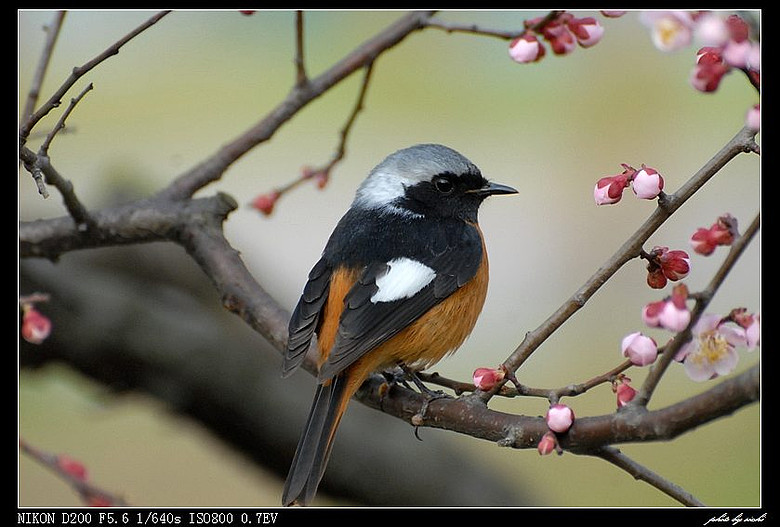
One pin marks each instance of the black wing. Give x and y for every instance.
(306, 316)
(365, 324)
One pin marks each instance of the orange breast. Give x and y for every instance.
(423, 343)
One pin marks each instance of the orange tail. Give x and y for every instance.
(311, 456)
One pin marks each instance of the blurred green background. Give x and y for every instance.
(551, 129)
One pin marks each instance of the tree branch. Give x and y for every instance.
(617, 458)
(740, 143)
(80, 71)
(212, 168)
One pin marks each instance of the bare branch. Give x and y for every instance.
(77, 73)
(325, 170)
(212, 168)
(52, 32)
(300, 67)
(617, 458)
(742, 142)
(44, 149)
(89, 493)
(474, 29)
(703, 299)
(40, 167)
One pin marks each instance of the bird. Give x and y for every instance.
(401, 282)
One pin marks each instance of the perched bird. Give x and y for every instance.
(401, 281)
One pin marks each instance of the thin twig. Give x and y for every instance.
(44, 149)
(702, 301)
(52, 32)
(212, 168)
(325, 170)
(300, 67)
(89, 493)
(640, 472)
(77, 73)
(474, 29)
(40, 166)
(742, 142)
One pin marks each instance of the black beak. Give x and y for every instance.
(491, 189)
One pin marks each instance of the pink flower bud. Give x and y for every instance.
(703, 242)
(487, 378)
(625, 394)
(753, 333)
(72, 467)
(711, 30)
(738, 28)
(675, 264)
(753, 118)
(559, 418)
(647, 183)
(651, 312)
(751, 323)
(736, 53)
(709, 55)
(609, 189)
(265, 202)
(722, 232)
(526, 48)
(639, 349)
(561, 40)
(587, 31)
(754, 57)
(613, 14)
(547, 444)
(706, 76)
(35, 327)
(656, 278)
(675, 315)
(670, 30)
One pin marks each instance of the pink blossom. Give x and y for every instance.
(265, 202)
(587, 31)
(711, 351)
(736, 53)
(609, 189)
(526, 48)
(647, 183)
(487, 378)
(738, 28)
(35, 326)
(675, 264)
(722, 232)
(711, 30)
(751, 324)
(754, 57)
(706, 76)
(674, 317)
(625, 393)
(651, 313)
(561, 40)
(753, 118)
(559, 418)
(72, 467)
(669, 30)
(640, 349)
(547, 444)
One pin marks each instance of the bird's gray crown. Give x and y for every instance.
(388, 181)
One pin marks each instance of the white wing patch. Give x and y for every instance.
(404, 279)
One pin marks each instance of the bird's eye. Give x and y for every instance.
(443, 185)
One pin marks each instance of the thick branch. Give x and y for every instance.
(468, 415)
